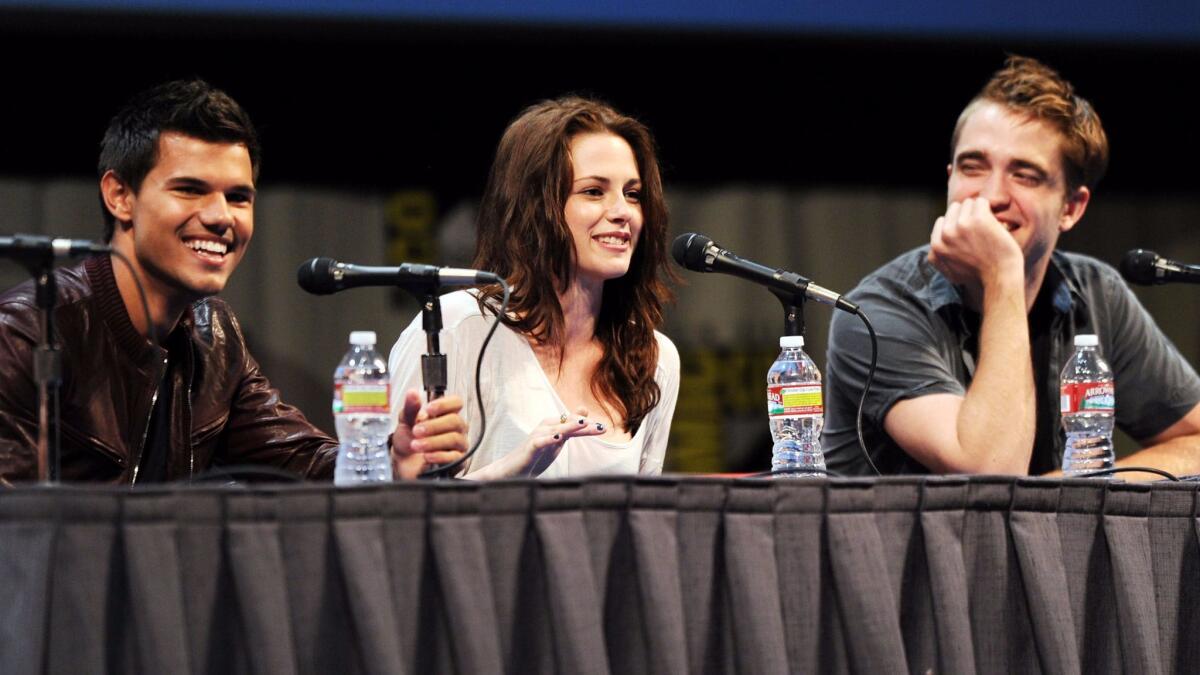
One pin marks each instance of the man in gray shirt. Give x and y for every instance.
(974, 327)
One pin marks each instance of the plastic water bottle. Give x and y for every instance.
(796, 410)
(362, 415)
(1088, 406)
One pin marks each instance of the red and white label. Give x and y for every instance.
(794, 400)
(1088, 397)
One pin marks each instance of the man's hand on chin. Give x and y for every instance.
(971, 247)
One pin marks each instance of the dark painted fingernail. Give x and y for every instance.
(557, 436)
(600, 426)
(581, 420)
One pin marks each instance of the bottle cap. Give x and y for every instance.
(1086, 340)
(791, 341)
(362, 337)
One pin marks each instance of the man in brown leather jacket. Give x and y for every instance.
(167, 396)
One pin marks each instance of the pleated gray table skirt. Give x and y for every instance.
(950, 575)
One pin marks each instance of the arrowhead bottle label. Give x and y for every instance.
(1087, 397)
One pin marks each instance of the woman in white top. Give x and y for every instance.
(576, 379)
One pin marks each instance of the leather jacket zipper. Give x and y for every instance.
(187, 407)
(146, 431)
(191, 446)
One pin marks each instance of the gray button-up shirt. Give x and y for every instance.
(923, 349)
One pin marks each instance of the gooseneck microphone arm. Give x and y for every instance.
(322, 276)
(698, 253)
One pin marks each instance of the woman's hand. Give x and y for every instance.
(542, 447)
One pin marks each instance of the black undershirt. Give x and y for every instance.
(157, 448)
(1041, 320)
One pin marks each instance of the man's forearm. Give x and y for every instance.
(1179, 456)
(997, 419)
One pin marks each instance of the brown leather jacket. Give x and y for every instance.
(223, 410)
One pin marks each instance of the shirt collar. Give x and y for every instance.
(1067, 295)
(939, 292)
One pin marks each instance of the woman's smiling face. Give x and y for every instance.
(603, 209)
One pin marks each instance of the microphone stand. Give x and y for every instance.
(47, 372)
(793, 311)
(433, 361)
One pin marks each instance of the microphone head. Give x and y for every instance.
(316, 276)
(688, 250)
(1138, 267)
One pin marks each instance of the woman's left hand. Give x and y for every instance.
(541, 448)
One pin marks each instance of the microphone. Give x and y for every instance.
(698, 253)
(322, 276)
(1140, 266)
(34, 248)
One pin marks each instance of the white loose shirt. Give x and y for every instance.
(517, 395)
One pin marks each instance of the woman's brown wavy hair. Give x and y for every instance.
(523, 237)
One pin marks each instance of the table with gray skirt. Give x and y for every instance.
(605, 575)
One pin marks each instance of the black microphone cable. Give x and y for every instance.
(446, 470)
(153, 332)
(858, 420)
(1126, 469)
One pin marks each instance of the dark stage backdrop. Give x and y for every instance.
(388, 103)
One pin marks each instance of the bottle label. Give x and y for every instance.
(1087, 397)
(794, 400)
(360, 398)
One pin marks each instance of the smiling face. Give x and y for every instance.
(603, 210)
(1015, 162)
(186, 229)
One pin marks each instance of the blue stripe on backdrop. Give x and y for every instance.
(1154, 21)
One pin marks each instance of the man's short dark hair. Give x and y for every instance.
(190, 107)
